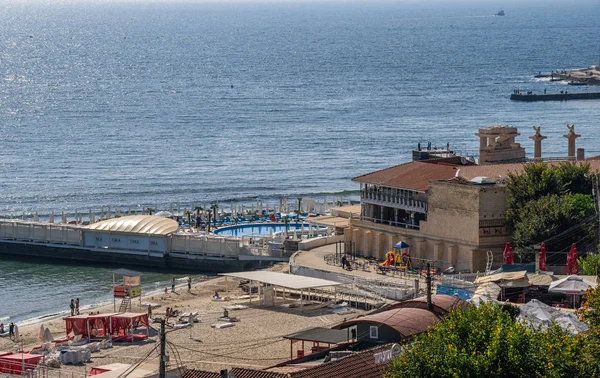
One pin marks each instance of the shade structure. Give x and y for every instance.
(122, 325)
(289, 281)
(571, 285)
(543, 257)
(88, 326)
(489, 289)
(401, 245)
(539, 311)
(18, 363)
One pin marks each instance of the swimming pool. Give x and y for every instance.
(260, 228)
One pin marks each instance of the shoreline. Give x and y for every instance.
(259, 331)
(91, 307)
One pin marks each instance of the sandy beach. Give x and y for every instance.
(255, 341)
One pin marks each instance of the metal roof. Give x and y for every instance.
(289, 281)
(138, 224)
(406, 321)
(321, 335)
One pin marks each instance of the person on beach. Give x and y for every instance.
(149, 312)
(11, 330)
(173, 285)
(1, 327)
(77, 306)
(189, 282)
(72, 306)
(217, 295)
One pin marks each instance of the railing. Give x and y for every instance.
(390, 223)
(46, 233)
(392, 200)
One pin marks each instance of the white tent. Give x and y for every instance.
(163, 213)
(539, 310)
(571, 285)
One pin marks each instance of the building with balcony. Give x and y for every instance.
(450, 211)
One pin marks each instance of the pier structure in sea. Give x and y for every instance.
(582, 76)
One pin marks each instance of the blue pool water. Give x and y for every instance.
(262, 229)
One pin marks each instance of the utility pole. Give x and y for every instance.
(163, 357)
(429, 304)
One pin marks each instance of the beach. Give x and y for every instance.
(255, 341)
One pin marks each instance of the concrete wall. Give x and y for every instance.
(319, 242)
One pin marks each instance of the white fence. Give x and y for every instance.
(46, 233)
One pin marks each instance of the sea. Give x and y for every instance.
(133, 104)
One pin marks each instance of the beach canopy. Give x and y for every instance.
(571, 285)
(539, 311)
(401, 245)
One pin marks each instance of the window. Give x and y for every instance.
(374, 332)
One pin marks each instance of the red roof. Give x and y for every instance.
(236, 372)
(413, 176)
(190, 373)
(406, 321)
(357, 365)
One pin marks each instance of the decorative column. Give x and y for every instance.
(571, 136)
(537, 143)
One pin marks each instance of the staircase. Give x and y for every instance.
(125, 305)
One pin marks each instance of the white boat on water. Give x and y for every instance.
(500, 13)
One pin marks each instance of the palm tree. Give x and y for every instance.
(189, 215)
(149, 210)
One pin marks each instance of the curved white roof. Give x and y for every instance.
(139, 224)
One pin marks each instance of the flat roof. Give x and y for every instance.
(289, 281)
(320, 335)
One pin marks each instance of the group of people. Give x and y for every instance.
(74, 306)
(189, 285)
(11, 329)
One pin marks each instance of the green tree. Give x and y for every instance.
(487, 342)
(590, 264)
(553, 214)
(545, 200)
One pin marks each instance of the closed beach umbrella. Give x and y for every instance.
(51, 220)
(17, 335)
(41, 334)
(543, 258)
(36, 217)
(508, 255)
(64, 218)
(572, 265)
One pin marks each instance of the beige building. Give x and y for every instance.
(449, 211)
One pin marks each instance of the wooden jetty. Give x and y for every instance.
(530, 97)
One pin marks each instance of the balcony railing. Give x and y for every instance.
(390, 223)
(395, 201)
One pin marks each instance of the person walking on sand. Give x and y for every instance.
(72, 306)
(77, 306)
(173, 285)
(11, 330)
(189, 284)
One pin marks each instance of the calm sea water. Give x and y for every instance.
(150, 103)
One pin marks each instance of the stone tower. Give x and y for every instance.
(497, 145)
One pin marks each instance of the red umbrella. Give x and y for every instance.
(507, 255)
(511, 257)
(572, 266)
(543, 258)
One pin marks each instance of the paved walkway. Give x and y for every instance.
(315, 258)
